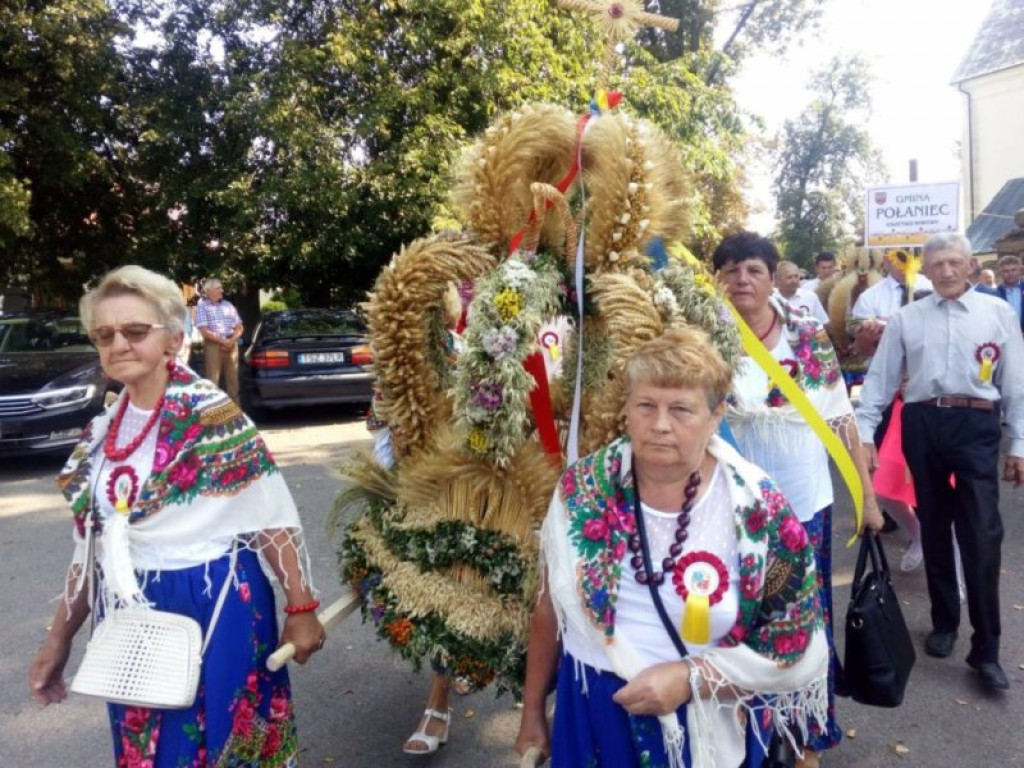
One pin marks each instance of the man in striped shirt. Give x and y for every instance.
(221, 327)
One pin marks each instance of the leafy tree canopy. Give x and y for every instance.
(297, 145)
(61, 191)
(825, 160)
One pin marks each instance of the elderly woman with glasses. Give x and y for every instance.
(179, 497)
(682, 587)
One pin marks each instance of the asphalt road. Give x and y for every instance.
(357, 701)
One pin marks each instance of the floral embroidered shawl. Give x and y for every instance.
(776, 651)
(815, 368)
(213, 478)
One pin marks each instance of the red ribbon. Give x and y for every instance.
(540, 395)
(561, 186)
(540, 399)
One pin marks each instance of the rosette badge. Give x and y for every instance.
(701, 579)
(987, 356)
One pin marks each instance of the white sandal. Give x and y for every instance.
(433, 742)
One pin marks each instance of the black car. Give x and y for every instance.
(51, 382)
(307, 357)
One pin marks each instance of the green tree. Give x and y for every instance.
(754, 25)
(363, 115)
(62, 191)
(299, 145)
(825, 160)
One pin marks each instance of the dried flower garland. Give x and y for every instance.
(402, 316)
(687, 294)
(495, 555)
(424, 616)
(492, 388)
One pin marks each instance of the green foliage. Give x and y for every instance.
(761, 25)
(365, 113)
(300, 145)
(825, 160)
(61, 187)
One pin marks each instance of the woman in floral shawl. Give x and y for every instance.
(774, 435)
(179, 495)
(672, 510)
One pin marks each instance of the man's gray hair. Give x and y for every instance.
(211, 282)
(1010, 260)
(938, 243)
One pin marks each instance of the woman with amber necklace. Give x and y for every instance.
(178, 491)
(771, 433)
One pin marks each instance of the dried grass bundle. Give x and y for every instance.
(369, 481)
(492, 195)
(627, 311)
(399, 313)
(636, 190)
(466, 608)
(451, 484)
(630, 319)
(671, 195)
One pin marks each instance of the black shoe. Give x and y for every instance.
(992, 675)
(939, 644)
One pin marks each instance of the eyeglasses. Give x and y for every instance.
(133, 333)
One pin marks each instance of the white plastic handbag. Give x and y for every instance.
(143, 657)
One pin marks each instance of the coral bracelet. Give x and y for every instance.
(304, 608)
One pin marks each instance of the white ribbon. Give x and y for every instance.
(573, 444)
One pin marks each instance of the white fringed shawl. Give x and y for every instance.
(776, 653)
(213, 479)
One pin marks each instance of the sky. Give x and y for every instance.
(913, 47)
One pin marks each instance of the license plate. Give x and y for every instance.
(318, 358)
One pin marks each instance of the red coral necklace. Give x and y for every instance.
(110, 449)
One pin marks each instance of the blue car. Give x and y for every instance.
(307, 357)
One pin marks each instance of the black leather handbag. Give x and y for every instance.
(879, 651)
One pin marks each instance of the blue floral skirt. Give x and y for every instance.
(592, 731)
(242, 715)
(819, 530)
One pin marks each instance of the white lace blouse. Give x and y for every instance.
(711, 529)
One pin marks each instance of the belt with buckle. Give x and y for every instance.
(961, 401)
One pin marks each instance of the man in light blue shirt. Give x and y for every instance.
(962, 354)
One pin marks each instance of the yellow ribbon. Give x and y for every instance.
(753, 347)
(911, 266)
(696, 627)
(760, 355)
(986, 369)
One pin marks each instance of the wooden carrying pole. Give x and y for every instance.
(329, 618)
(532, 758)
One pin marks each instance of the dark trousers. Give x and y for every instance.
(938, 442)
(883, 426)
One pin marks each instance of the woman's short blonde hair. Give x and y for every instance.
(682, 358)
(162, 294)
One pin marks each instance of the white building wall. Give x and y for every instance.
(997, 115)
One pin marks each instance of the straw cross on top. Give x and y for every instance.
(619, 20)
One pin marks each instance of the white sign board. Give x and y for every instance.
(908, 214)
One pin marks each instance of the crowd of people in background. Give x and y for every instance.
(945, 383)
